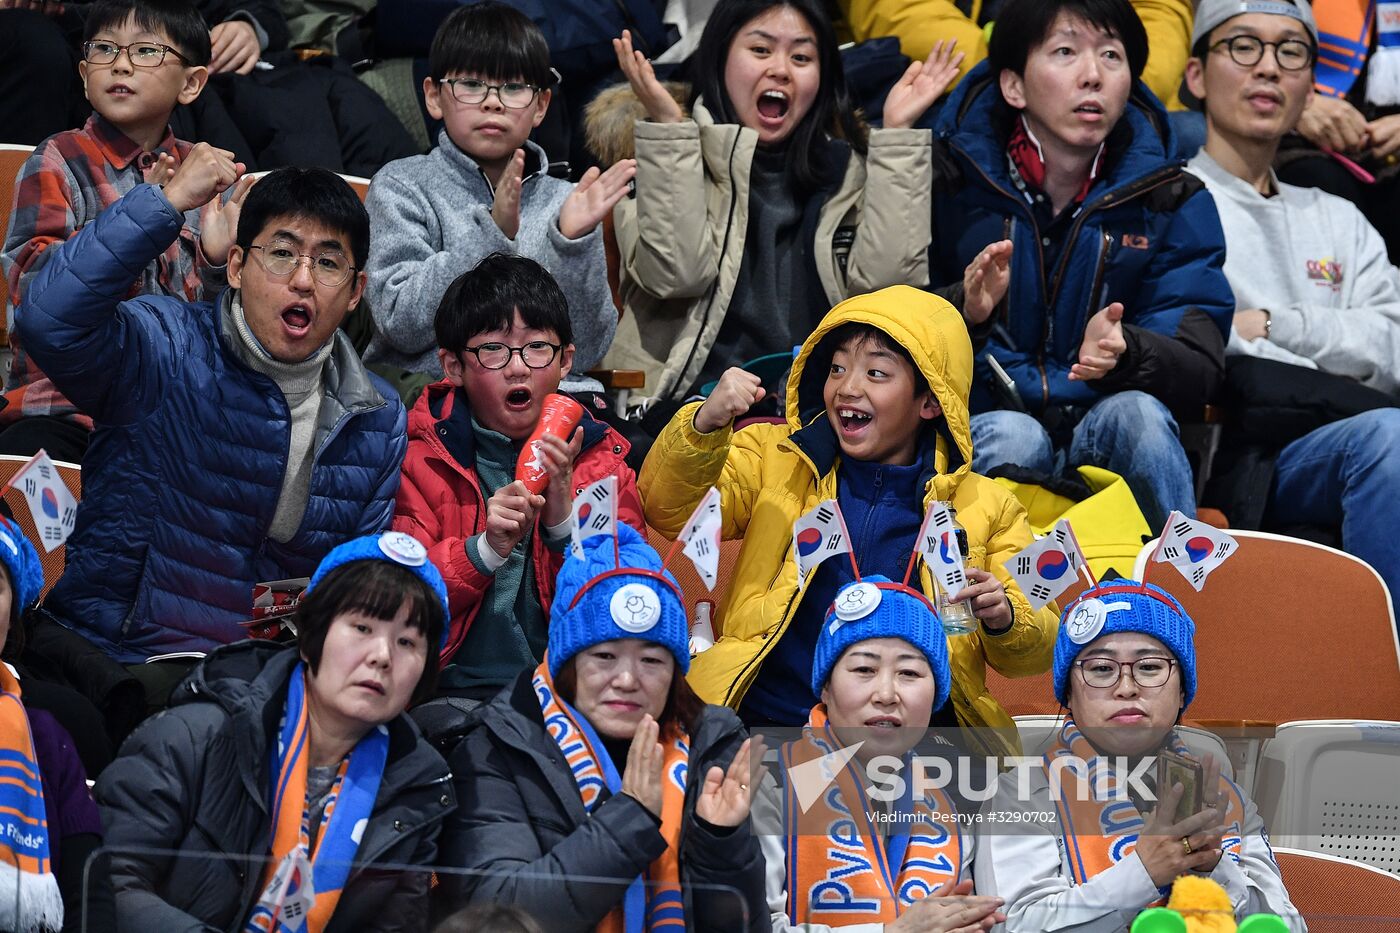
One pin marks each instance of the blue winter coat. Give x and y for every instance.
(1148, 235)
(189, 447)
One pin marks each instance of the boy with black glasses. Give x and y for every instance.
(506, 343)
(486, 188)
(140, 59)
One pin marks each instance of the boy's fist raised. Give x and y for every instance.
(204, 173)
(738, 390)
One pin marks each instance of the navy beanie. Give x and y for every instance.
(1126, 606)
(616, 604)
(876, 607)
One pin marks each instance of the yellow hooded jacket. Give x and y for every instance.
(769, 475)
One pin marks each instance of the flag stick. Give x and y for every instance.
(909, 570)
(1088, 572)
(1161, 540)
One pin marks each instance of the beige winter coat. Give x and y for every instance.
(682, 237)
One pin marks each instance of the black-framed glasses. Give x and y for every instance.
(1106, 672)
(513, 95)
(537, 354)
(329, 267)
(1246, 51)
(140, 54)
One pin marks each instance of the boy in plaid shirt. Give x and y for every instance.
(140, 59)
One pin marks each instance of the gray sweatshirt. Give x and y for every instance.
(1320, 269)
(430, 218)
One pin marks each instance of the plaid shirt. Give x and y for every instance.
(71, 178)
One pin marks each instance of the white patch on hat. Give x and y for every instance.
(857, 602)
(1088, 618)
(635, 608)
(10, 543)
(403, 549)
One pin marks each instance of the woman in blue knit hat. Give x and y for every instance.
(1094, 841)
(598, 793)
(856, 856)
(284, 781)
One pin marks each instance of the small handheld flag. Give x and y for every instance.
(50, 503)
(594, 513)
(1193, 548)
(700, 538)
(938, 543)
(820, 534)
(1046, 568)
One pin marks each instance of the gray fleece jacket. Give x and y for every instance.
(430, 218)
(1320, 269)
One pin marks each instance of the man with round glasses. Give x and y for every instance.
(235, 442)
(1312, 282)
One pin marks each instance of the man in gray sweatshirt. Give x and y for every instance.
(1313, 285)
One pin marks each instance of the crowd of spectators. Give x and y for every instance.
(1077, 227)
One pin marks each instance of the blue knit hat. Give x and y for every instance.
(393, 547)
(22, 563)
(606, 596)
(1126, 606)
(876, 607)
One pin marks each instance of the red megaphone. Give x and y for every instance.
(558, 416)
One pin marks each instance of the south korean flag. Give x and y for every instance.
(1194, 548)
(1045, 569)
(819, 534)
(594, 513)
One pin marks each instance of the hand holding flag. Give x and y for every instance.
(1193, 548)
(819, 534)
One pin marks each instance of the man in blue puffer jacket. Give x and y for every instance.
(233, 442)
(1116, 308)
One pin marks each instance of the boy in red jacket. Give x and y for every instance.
(505, 342)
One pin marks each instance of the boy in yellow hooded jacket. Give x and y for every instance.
(877, 419)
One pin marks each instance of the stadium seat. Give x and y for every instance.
(1340, 896)
(1031, 696)
(1333, 786)
(72, 476)
(11, 160)
(692, 587)
(1320, 621)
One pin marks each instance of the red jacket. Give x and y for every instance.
(441, 503)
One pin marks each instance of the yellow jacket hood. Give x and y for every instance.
(930, 329)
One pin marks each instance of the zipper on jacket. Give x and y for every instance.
(1095, 298)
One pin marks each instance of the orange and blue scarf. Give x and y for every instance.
(1343, 38)
(1102, 829)
(29, 895)
(654, 900)
(303, 883)
(839, 870)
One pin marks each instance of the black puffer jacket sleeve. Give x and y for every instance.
(145, 799)
(492, 835)
(1184, 371)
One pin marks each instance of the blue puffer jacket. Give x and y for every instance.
(190, 446)
(1148, 235)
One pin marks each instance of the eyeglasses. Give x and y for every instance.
(140, 54)
(1106, 672)
(513, 95)
(330, 267)
(537, 354)
(1291, 54)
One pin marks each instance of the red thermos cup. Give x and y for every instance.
(559, 416)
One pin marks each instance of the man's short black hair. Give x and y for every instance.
(378, 589)
(309, 193)
(1022, 25)
(492, 40)
(855, 333)
(487, 297)
(178, 20)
